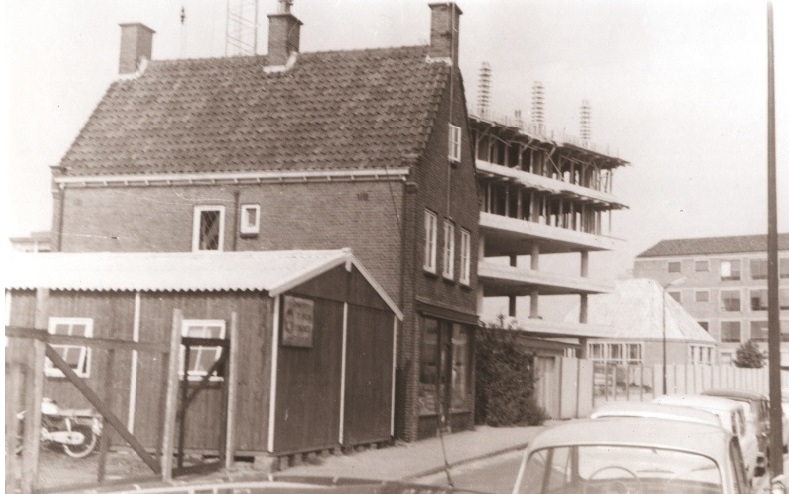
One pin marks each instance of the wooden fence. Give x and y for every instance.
(571, 388)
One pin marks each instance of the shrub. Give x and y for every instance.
(505, 380)
(749, 356)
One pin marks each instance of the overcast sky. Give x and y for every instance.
(677, 88)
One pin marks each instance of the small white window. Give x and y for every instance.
(76, 356)
(454, 143)
(449, 250)
(250, 219)
(430, 241)
(201, 359)
(465, 257)
(208, 228)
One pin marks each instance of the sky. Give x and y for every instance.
(677, 88)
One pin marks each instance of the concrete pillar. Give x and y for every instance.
(535, 256)
(584, 314)
(512, 307)
(534, 304)
(584, 350)
(584, 264)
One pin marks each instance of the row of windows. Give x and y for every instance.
(731, 331)
(448, 253)
(77, 357)
(616, 353)
(731, 299)
(730, 268)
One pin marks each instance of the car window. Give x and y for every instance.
(737, 467)
(535, 472)
(561, 473)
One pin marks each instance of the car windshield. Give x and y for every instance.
(602, 468)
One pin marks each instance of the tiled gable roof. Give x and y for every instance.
(713, 245)
(331, 110)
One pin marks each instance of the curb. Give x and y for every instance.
(466, 461)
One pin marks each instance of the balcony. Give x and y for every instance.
(550, 185)
(501, 280)
(506, 236)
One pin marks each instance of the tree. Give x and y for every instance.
(749, 356)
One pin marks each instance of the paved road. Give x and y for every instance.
(497, 475)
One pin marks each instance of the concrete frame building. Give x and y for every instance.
(723, 285)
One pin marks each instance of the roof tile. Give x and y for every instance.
(713, 245)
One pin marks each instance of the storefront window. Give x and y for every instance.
(428, 401)
(460, 367)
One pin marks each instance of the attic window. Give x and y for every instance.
(250, 219)
(208, 228)
(454, 143)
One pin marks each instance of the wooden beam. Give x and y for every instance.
(34, 386)
(171, 399)
(232, 392)
(102, 343)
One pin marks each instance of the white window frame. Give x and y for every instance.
(83, 368)
(198, 210)
(449, 250)
(431, 227)
(197, 352)
(246, 227)
(455, 138)
(465, 257)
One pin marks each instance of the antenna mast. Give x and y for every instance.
(241, 36)
(483, 96)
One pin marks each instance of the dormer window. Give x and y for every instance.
(250, 219)
(454, 143)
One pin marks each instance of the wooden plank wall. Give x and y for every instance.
(368, 387)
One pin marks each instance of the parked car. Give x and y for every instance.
(732, 417)
(633, 456)
(757, 413)
(639, 409)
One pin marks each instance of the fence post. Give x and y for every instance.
(171, 401)
(34, 386)
(107, 394)
(13, 389)
(232, 392)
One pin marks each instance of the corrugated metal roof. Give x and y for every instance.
(713, 245)
(635, 312)
(273, 271)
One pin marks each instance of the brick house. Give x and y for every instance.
(367, 149)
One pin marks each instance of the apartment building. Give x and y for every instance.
(541, 196)
(722, 283)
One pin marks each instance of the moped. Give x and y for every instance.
(75, 431)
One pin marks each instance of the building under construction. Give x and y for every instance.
(540, 195)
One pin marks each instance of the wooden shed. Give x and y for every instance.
(316, 351)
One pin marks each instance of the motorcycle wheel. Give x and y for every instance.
(86, 447)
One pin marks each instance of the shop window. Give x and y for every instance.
(465, 257)
(201, 359)
(461, 367)
(674, 267)
(430, 241)
(428, 376)
(730, 300)
(208, 228)
(758, 269)
(730, 331)
(449, 250)
(730, 270)
(702, 266)
(703, 296)
(250, 219)
(759, 330)
(76, 356)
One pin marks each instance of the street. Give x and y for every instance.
(496, 475)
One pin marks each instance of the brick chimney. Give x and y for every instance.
(283, 35)
(136, 44)
(444, 31)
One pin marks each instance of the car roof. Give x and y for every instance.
(735, 393)
(699, 401)
(637, 409)
(708, 440)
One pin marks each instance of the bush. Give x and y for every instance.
(505, 380)
(749, 356)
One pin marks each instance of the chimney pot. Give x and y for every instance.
(136, 44)
(444, 31)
